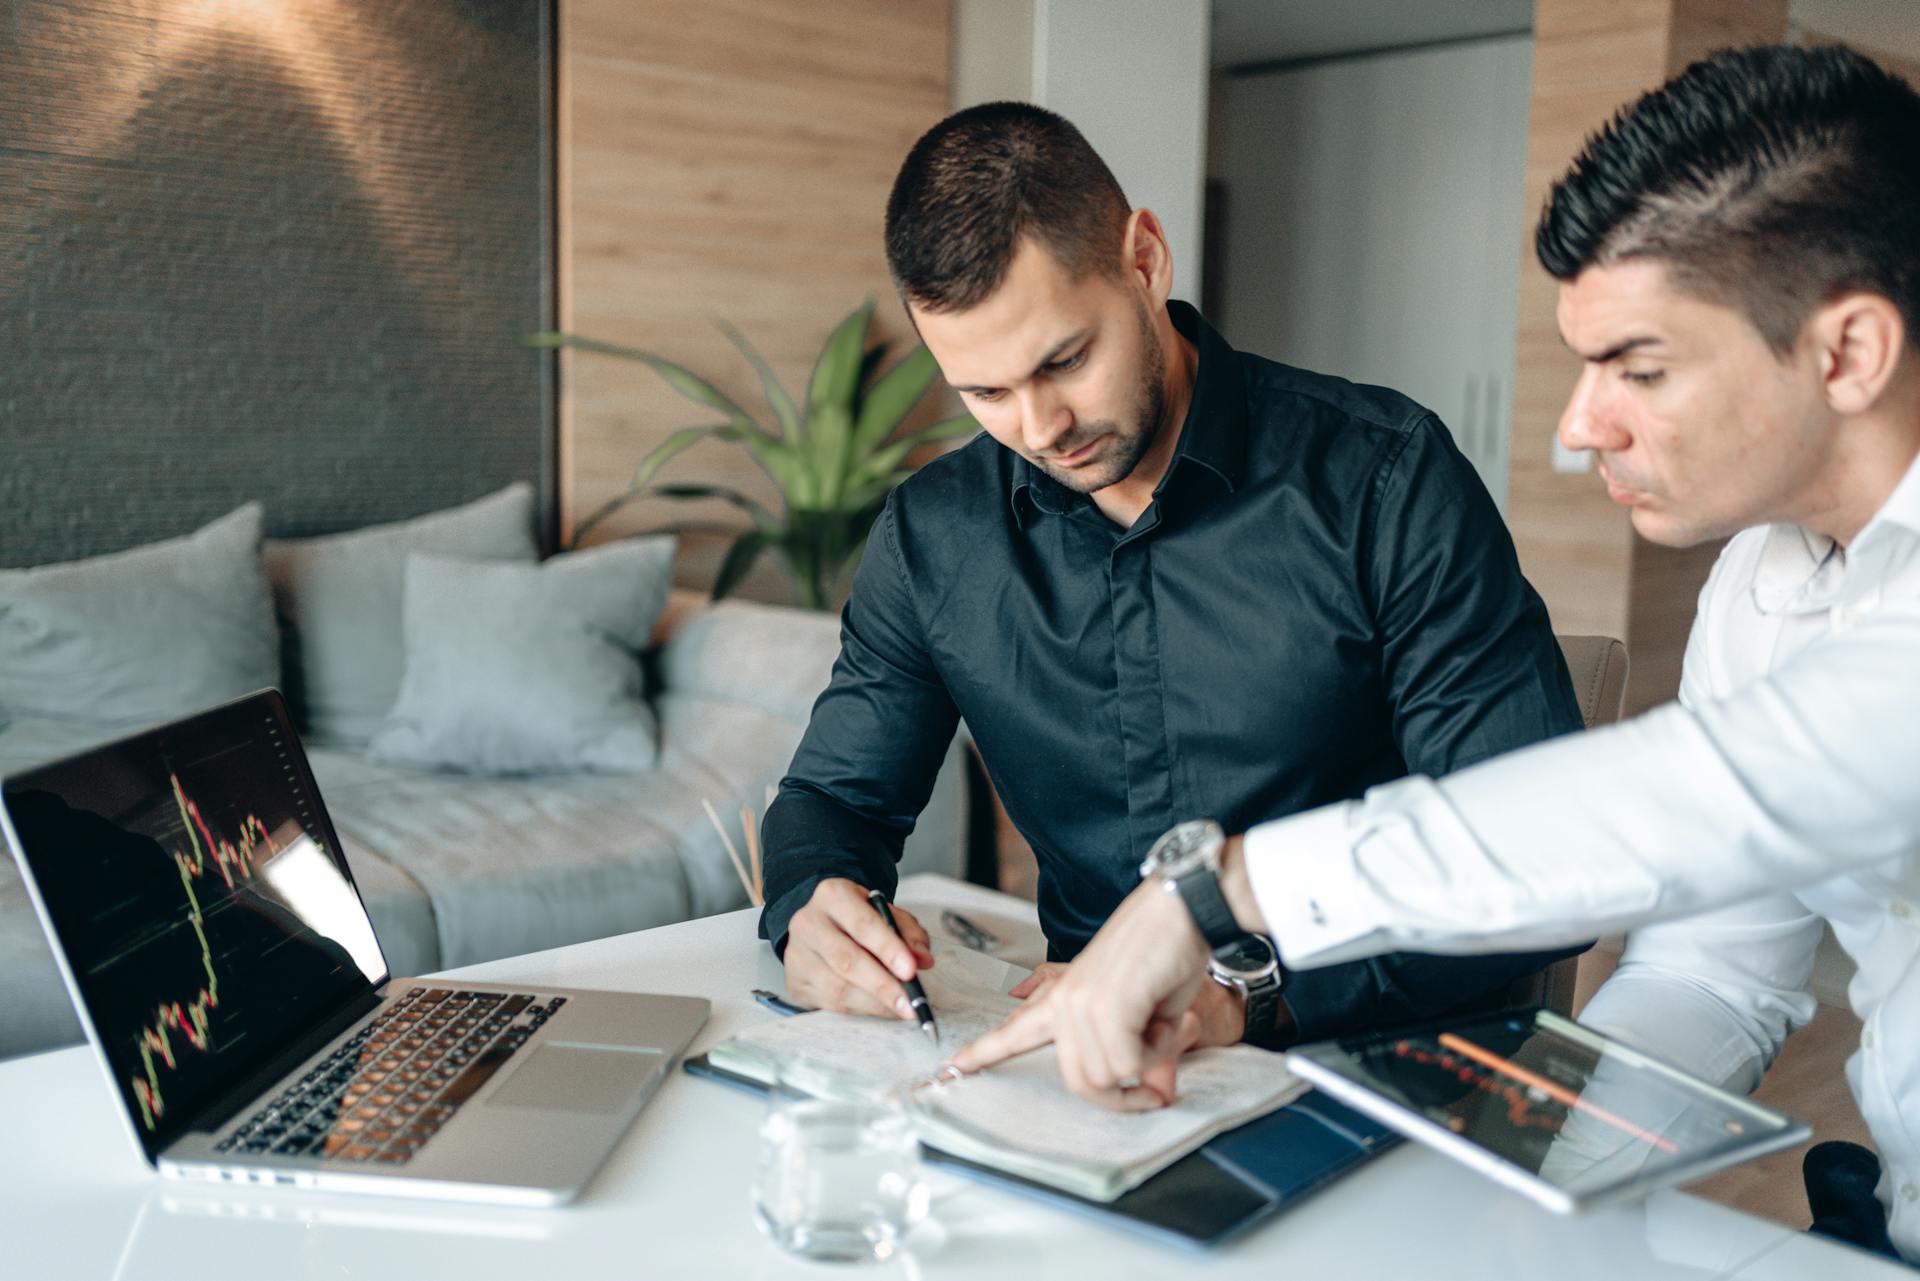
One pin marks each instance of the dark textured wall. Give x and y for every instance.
(273, 249)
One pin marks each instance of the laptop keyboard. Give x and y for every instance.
(390, 1088)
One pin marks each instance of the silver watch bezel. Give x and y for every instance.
(1184, 847)
(1230, 976)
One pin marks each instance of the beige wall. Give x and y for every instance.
(1578, 548)
(729, 159)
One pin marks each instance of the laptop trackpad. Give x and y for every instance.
(580, 1078)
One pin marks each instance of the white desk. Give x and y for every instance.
(75, 1202)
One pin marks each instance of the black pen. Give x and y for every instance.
(916, 994)
(778, 1004)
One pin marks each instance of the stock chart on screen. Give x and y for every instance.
(202, 910)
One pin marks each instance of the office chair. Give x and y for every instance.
(1598, 666)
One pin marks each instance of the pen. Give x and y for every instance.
(778, 1004)
(915, 993)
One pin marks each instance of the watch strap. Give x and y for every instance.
(1199, 889)
(1263, 1012)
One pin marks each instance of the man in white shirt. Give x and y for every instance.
(1739, 255)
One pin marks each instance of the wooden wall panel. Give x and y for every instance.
(1578, 548)
(728, 160)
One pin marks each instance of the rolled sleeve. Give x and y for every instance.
(872, 749)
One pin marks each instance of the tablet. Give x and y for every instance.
(1550, 1108)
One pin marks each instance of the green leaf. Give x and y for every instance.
(785, 413)
(889, 456)
(832, 444)
(599, 514)
(607, 509)
(689, 527)
(776, 458)
(764, 519)
(678, 442)
(784, 464)
(836, 375)
(681, 379)
(891, 399)
(870, 362)
(870, 493)
(745, 551)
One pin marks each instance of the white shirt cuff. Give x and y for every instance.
(1303, 877)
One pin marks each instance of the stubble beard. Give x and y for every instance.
(1130, 444)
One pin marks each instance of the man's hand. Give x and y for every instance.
(841, 955)
(1122, 1013)
(1221, 1011)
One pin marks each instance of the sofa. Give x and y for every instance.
(457, 868)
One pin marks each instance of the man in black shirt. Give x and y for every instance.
(1171, 581)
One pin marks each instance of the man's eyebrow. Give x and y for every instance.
(1617, 350)
(1053, 354)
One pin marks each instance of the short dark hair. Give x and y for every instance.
(980, 180)
(1770, 179)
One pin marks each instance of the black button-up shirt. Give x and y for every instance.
(1321, 597)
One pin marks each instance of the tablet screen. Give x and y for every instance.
(1546, 1105)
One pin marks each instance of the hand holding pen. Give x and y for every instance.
(842, 955)
(916, 995)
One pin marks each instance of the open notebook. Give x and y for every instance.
(1017, 1117)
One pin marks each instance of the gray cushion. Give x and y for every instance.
(515, 865)
(339, 600)
(773, 658)
(140, 636)
(529, 669)
(739, 683)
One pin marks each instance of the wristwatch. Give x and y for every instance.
(1187, 861)
(1251, 968)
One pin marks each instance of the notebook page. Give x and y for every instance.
(1018, 1116)
(1025, 1097)
(854, 1055)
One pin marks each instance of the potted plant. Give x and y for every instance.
(833, 460)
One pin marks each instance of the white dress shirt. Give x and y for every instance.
(1783, 790)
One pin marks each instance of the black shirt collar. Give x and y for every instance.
(1212, 439)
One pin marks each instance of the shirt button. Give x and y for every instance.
(1910, 1192)
(1901, 909)
(1866, 1039)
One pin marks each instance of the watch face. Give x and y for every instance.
(1184, 846)
(1251, 956)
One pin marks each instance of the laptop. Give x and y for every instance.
(228, 976)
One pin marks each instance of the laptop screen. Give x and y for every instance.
(201, 901)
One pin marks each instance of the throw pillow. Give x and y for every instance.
(140, 636)
(527, 669)
(339, 602)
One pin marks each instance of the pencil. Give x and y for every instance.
(739, 868)
(752, 835)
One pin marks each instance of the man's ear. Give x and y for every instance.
(1859, 339)
(1146, 259)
